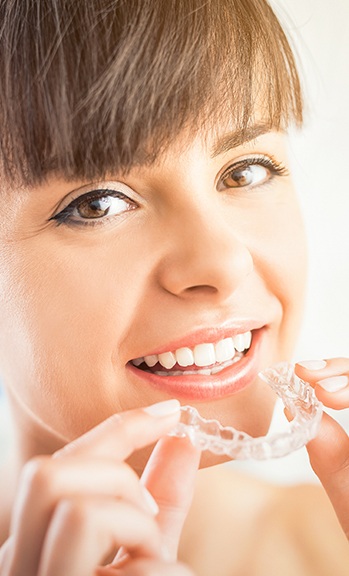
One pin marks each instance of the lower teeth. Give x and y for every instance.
(203, 372)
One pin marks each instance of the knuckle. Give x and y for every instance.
(117, 419)
(128, 432)
(73, 512)
(342, 473)
(38, 474)
(122, 424)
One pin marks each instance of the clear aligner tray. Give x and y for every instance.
(297, 396)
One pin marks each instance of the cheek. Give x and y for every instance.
(281, 255)
(66, 314)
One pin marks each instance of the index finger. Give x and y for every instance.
(123, 433)
(169, 476)
(330, 379)
(329, 458)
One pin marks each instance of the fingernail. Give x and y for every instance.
(333, 384)
(164, 408)
(313, 364)
(150, 502)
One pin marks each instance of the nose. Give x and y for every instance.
(204, 257)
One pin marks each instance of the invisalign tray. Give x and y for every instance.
(298, 397)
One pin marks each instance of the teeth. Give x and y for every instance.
(167, 360)
(184, 357)
(151, 360)
(204, 355)
(239, 342)
(221, 367)
(223, 352)
(204, 372)
(247, 339)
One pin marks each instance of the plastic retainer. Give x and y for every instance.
(297, 396)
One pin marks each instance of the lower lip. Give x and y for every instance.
(199, 387)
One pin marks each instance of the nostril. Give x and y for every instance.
(206, 288)
(207, 271)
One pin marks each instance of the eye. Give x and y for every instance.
(93, 206)
(250, 173)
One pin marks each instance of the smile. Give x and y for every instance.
(208, 369)
(204, 359)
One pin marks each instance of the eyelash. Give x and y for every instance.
(65, 216)
(276, 168)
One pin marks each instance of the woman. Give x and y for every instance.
(144, 167)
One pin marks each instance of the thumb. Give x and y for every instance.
(169, 476)
(329, 458)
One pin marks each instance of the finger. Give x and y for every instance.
(114, 438)
(82, 533)
(121, 434)
(330, 378)
(144, 567)
(169, 476)
(45, 481)
(5, 556)
(147, 567)
(329, 458)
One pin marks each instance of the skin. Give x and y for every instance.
(329, 451)
(201, 258)
(78, 508)
(268, 529)
(73, 316)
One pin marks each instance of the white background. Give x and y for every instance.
(320, 163)
(320, 160)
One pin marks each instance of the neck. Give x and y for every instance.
(27, 438)
(9, 473)
(32, 437)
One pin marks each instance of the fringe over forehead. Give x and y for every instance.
(93, 87)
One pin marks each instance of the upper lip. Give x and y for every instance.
(206, 335)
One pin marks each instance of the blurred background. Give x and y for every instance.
(320, 159)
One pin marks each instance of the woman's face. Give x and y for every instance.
(172, 262)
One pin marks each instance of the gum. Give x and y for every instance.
(298, 397)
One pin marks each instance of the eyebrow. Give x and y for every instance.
(238, 137)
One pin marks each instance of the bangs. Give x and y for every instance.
(94, 87)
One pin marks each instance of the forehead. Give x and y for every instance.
(219, 130)
(221, 138)
(204, 155)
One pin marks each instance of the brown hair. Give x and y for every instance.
(90, 87)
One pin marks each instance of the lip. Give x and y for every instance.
(198, 387)
(208, 335)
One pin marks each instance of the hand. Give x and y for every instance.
(78, 507)
(329, 451)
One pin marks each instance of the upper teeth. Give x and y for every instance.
(201, 355)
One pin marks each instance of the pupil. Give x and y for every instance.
(242, 177)
(94, 208)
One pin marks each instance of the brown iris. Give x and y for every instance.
(94, 207)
